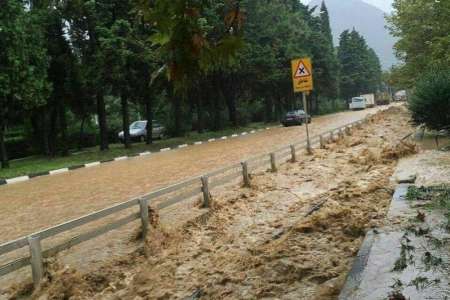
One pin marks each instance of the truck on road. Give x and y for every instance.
(370, 99)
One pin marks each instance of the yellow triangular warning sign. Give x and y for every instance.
(302, 77)
(302, 71)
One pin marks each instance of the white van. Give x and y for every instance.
(358, 103)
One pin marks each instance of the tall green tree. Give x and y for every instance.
(275, 33)
(87, 20)
(61, 62)
(23, 64)
(422, 28)
(374, 71)
(183, 40)
(360, 67)
(326, 70)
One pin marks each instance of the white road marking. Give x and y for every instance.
(121, 158)
(59, 171)
(92, 164)
(17, 179)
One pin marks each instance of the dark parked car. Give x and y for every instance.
(296, 117)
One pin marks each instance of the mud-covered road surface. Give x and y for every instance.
(46, 201)
(292, 235)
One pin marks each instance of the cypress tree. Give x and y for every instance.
(360, 66)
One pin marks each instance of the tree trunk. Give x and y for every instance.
(149, 117)
(269, 109)
(63, 128)
(3, 153)
(217, 114)
(45, 133)
(200, 114)
(216, 97)
(101, 112)
(317, 103)
(278, 108)
(40, 137)
(81, 134)
(125, 120)
(53, 132)
(230, 100)
(176, 106)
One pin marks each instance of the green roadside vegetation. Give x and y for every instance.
(436, 198)
(74, 73)
(423, 246)
(37, 164)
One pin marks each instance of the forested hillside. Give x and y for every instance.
(74, 73)
(367, 20)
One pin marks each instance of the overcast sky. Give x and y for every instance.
(383, 4)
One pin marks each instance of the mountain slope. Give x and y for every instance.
(366, 19)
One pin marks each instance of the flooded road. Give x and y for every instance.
(262, 242)
(42, 202)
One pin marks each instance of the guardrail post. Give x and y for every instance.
(332, 136)
(245, 175)
(37, 263)
(308, 148)
(347, 130)
(273, 163)
(322, 142)
(205, 189)
(293, 154)
(143, 204)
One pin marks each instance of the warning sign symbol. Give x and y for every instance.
(302, 77)
(302, 71)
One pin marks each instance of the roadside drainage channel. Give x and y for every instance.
(23, 178)
(399, 262)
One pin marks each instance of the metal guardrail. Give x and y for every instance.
(197, 185)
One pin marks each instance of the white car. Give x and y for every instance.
(358, 103)
(138, 131)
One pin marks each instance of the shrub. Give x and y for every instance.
(430, 103)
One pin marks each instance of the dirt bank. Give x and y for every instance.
(292, 235)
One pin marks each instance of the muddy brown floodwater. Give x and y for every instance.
(292, 235)
(46, 201)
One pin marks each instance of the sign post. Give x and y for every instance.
(305, 107)
(302, 80)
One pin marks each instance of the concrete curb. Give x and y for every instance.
(4, 181)
(355, 275)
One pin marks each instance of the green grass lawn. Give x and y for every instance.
(37, 164)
